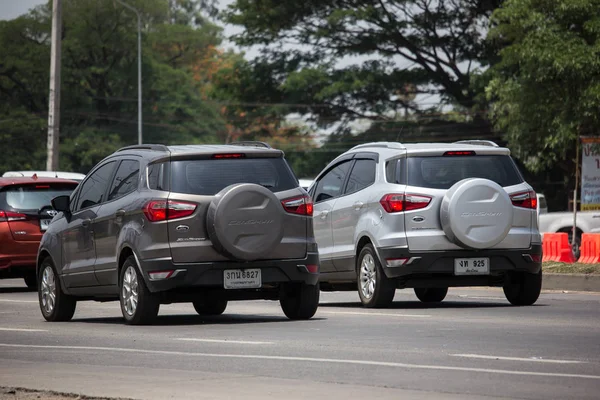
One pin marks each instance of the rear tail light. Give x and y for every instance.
(301, 205)
(11, 216)
(394, 202)
(164, 210)
(525, 200)
(229, 155)
(459, 153)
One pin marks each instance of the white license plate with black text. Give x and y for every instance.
(44, 224)
(471, 266)
(242, 279)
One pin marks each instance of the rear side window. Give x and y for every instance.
(126, 179)
(33, 197)
(362, 175)
(444, 171)
(209, 177)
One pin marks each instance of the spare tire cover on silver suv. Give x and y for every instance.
(476, 213)
(245, 221)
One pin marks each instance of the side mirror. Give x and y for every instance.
(323, 197)
(61, 203)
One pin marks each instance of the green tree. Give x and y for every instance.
(404, 47)
(545, 91)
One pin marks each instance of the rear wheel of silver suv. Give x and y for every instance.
(431, 295)
(523, 288)
(138, 305)
(374, 288)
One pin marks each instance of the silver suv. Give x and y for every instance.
(155, 225)
(428, 217)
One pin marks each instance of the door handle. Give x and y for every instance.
(86, 222)
(323, 214)
(120, 214)
(358, 205)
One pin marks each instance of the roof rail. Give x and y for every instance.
(250, 143)
(388, 145)
(478, 142)
(155, 147)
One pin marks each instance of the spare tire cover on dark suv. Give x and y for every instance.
(245, 221)
(476, 213)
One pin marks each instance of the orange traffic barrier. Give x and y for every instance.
(556, 247)
(590, 248)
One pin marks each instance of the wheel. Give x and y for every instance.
(431, 295)
(31, 281)
(300, 301)
(54, 303)
(374, 288)
(210, 307)
(138, 305)
(523, 288)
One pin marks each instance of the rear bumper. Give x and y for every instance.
(210, 275)
(437, 267)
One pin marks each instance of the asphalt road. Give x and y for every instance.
(472, 346)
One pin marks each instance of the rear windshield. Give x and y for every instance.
(33, 197)
(209, 177)
(444, 171)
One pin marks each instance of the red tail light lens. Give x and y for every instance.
(164, 210)
(394, 202)
(9, 216)
(301, 205)
(229, 155)
(525, 200)
(459, 153)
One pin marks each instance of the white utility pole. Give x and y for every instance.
(54, 95)
(139, 27)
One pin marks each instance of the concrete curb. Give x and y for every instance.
(574, 282)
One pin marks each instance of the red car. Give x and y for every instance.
(25, 213)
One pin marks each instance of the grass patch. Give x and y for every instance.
(576, 268)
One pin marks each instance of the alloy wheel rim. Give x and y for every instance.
(368, 276)
(129, 292)
(48, 289)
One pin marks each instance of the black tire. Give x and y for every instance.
(523, 288)
(300, 301)
(147, 306)
(210, 307)
(431, 295)
(31, 281)
(380, 293)
(64, 305)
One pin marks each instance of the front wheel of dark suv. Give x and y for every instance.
(374, 288)
(300, 301)
(55, 304)
(138, 305)
(523, 288)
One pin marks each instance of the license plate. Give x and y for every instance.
(44, 224)
(472, 266)
(242, 279)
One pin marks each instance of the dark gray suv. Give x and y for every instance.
(204, 224)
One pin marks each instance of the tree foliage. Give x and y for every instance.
(546, 88)
(404, 47)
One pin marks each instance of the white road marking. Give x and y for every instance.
(541, 360)
(375, 313)
(305, 359)
(22, 330)
(222, 341)
(17, 301)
